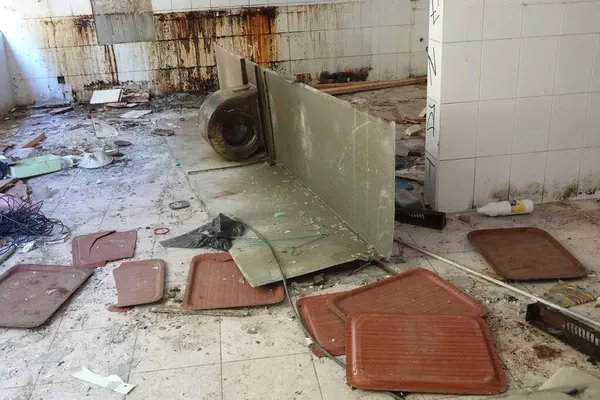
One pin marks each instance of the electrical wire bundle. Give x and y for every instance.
(22, 222)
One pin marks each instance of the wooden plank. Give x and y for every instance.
(6, 184)
(31, 142)
(215, 313)
(343, 84)
(374, 86)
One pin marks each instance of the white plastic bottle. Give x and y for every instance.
(506, 208)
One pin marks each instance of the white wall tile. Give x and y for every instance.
(589, 174)
(433, 127)
(394, 39)
(26, 9)
(351, 42)
(562, 173)
(61, 8)
(541, 20)
(369, 15)
(420, 32)
(403, 65)
(418, 63)
(298, 20)
(387, 66)
(579, 18)
(592, 126)
(463, 20)
(161, 5)
(369, 41)
(537, 66)
(434, 70)
(349, 14)
(81, 7)
(596, 69)
(499, 68)
(394, 12)
(495, 127)
(202, 5)
(502, 22)
(567, 123)
(574, 64)
(527, 173)
(430, 189)
(435, 16)
(492, 176)
(455, 194)
(532, 124)
(458, 130)
(461, 67)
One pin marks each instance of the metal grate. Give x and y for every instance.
(419, 217)
(568, 330)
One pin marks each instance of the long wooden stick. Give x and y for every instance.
(344, 84)
(214, 313)
(563, 310)
(362, 87)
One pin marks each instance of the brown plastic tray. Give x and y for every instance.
(418, 291)
(139, 282)
(30, 294)
(422, 353)
(96, 249)
(215, 281)
(326, 326)
(526, 254)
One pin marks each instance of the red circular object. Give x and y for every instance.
(161, 231)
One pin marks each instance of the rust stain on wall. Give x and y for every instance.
(181, 57)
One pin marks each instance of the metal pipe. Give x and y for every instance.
(563, 310)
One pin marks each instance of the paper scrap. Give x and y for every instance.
(106, 96)
(104, 130)
(112, 382)
(135, 114)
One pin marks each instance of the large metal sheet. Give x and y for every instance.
(343, 155)
(229, 69)
(254, 194)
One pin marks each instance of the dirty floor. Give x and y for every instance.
(261, 356)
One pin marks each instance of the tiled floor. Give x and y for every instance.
(262, 356)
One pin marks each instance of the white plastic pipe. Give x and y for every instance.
(563, 310)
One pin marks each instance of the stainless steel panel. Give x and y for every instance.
(343, 155)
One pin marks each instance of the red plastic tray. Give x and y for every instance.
(422, 353)
(215, 281)
(326, 326)
(415, 292)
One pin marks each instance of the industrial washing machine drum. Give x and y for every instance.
(229, 121)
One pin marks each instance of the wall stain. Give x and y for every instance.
(349, 75)
(181, 59)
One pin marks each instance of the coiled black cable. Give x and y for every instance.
(22, 222)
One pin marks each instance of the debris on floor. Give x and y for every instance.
(96, 249)
(106, 96)
(371, 315)
(162, 132)
(179, 205)
(568, 295)
(112, 382)
(95, 158)
(217, 234)
(514, 207)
